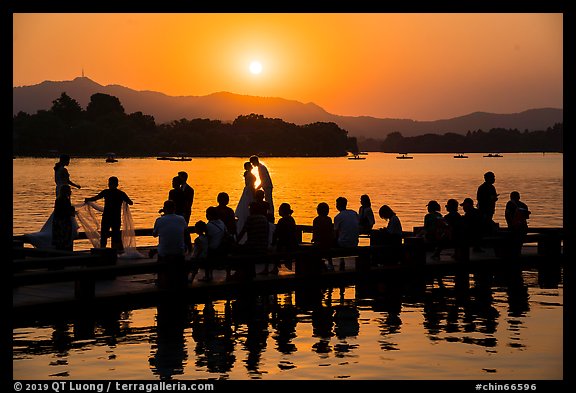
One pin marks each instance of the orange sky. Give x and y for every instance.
(418, 66)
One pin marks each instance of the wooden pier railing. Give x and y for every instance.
(34, 266)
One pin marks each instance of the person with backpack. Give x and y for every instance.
(435, 228)
(516, 215)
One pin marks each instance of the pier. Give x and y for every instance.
(45, 280)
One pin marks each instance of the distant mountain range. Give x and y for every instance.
(226, 106)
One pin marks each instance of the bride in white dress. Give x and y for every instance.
(247, 197)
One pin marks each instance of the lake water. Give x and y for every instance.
(405, 185)
(506, 327)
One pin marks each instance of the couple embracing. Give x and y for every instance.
(242, 210)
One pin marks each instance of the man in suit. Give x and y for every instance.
(265, 183)
(188, 200)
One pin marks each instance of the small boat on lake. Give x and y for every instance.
(460, 156)
(404, 156)
(356, 157)
(163, 156)
(180, 159)
(111, 157)
(493, 155)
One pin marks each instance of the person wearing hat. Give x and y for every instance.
(285, 237)
(434, 228)
(472, 224)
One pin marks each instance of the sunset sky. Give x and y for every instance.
(418, 66)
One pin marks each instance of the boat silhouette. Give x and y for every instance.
(111, 157)
(404, 156)
(493, 155)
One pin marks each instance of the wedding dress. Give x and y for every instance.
(89, 216)
(242, 210)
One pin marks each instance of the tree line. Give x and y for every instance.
(495, 140)
(104, 127)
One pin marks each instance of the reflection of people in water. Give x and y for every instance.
(212, 332)
(285, 325)
(346, 323)
(443, 312)
(251, 310)
(171, 354)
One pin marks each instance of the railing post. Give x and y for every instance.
(414, 251)
(363, 260)
(84, 288)
(175, 276)
(109, 255)
(550, 245)
(18, 249)
(308, 264)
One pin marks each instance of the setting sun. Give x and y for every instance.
(255, 67)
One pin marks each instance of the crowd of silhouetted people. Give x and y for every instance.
(252, 229)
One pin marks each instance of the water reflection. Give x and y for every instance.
(219, 338)
(169, 347)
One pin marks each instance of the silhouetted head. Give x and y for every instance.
(176, 182)
(169, 207)
(112, 182)
(386, 212)
(223, 198)
(515, 196)
(200, 227)
(365, 200)
(452, 205)
(467, 204)
(433, 206)
(254, 160)
(212, 213)
(285, 210)
(489, 177)
(259, 195)
(247, 166)
(341, 203)
(183, 175)
(322, 209)
(64, 159)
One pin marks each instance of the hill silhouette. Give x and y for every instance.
(226, 107)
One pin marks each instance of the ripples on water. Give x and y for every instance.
(512, 330)
(506, 327)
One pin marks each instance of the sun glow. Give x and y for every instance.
(255, 67)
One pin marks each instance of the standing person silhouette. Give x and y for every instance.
(265, 182)
(112, 215)
(63, 230)
(176, 194)
(188, 201)
(487, 197)
(242, 210)
(61, 175)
